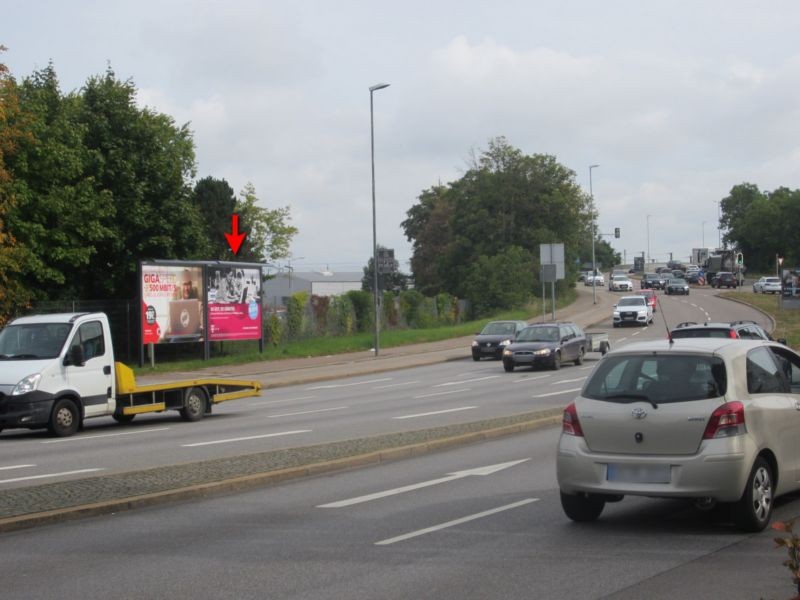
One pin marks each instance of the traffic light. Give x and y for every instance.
(616, 232)
(739, 258)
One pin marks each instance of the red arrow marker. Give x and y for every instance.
(235, 239)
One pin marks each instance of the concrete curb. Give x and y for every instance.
(538, 420)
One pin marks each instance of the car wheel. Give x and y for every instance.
(508, 366)
(753, 511)
(582, 507)
(557, 361)
(475, 357)
(579, 360)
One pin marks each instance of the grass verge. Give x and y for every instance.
(247, 352)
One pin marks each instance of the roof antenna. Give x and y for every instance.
(664, 317)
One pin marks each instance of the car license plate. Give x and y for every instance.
(628, 317)
(638, 473)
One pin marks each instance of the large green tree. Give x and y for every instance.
(216, 201)
(269, 234)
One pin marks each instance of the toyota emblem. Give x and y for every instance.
(639, 413)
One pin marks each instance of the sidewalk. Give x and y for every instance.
(103, 494)
(293, 371)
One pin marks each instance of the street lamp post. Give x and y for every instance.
(372, 90)
(719, 220)
(648, 237)
(594, 264)
(703, 245)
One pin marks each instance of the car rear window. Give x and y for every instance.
(701, 332)
(657, 378)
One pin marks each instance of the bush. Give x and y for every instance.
(341, 317)
(410, 303)
(390, 314)
(273, 329)
(295, 309)
(364, 309)
(320, 307)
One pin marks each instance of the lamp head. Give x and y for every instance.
(378, 86)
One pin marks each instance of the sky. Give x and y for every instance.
(676, 101)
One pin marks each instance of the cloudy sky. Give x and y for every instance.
(677, 101)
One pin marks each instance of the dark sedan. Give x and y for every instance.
(677, 286)
(494, 337)
(724, 279)
(549, 345)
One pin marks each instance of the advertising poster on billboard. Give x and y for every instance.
(172, 309)
(234, 303)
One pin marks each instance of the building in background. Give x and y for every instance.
(325, 283)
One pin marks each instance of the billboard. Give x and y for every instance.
(172, 306)
(234, 303)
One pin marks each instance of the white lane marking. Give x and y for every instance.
(622, 339)
(557, 393)
(84, 438)
(531, 378)
(341, 385)
(392, 385)
(9, 468)
(62, 474)
(282, 401)
(441, 393)
(438, 412)
(307, 412)
(482, 471)
(586, 368)
(466, 381)
(568, 381)
(480, 515)
(695, 305)
(637, 333)
(244, 439)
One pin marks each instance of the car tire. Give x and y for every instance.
(508, 366)
(65, 418)
(475, 357)
(582, 507)
(753, 511)
(579, 360)
(556, 361)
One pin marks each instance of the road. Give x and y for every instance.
(430, 396)
(439, 526)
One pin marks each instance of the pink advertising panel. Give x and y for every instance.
(234, 303)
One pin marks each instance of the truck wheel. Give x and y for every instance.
(194, 404)
(65, 419)
(121, 418)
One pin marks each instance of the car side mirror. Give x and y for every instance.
(614, 306)
(782, 341)
(75, 356)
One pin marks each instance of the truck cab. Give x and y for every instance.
(56, 370)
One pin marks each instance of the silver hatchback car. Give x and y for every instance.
(711, 420)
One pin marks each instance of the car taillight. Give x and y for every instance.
(726, 421)
(570, 423)
(732, 334)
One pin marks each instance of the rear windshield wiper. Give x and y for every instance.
(642, 397)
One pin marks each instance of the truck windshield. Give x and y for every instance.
(33, 341)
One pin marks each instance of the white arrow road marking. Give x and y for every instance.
(340, 385)
(84, 438)
(16, 467)
(568, 380)
(531, 378)
(466, 381)
(557, 393)
(441, 393)
(307, 412)
(244, 439)
(62, 474)
(467, 519)
(438, 412)
(416, 486)
(392, 385)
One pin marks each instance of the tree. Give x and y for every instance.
(502, 281)
(428, 228)
(216, 202)
(269, 234)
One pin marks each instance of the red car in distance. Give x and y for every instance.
(652, 299)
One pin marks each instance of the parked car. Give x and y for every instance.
(633, 310)
(548, 344)
(677, 286)
(771, 285)
(725, 279)
(711, 421)
(745, 330)
(594, 280)
(652, 281)
(620, 283)
(651, 297)
(494, 337)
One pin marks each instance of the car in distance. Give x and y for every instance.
(632, 310)
(494, 337)
(677, 286)
(767, 285)
(708, 420)
(546, 344)
(736, 330)
(654, 281)
(594, 280)
(651, 297)
(620, 283)
(724, 279)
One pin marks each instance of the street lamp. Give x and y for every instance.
(719, 220)
(703, 245)
(372, 90)
(594, 264)
(648, 237)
